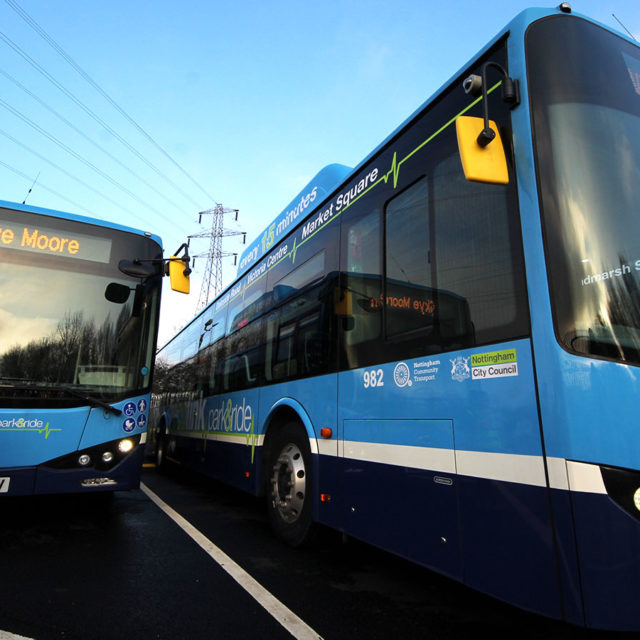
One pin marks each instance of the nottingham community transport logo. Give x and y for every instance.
(402, 375)
(460, 369)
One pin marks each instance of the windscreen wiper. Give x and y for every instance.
(94, 402)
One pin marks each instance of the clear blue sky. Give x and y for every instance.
(251, 98)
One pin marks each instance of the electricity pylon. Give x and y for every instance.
(212, 277)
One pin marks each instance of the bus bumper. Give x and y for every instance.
(41, 480)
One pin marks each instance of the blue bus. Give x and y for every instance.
(79, 306)
(438, 351)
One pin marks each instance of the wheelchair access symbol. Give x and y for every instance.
(129, 409)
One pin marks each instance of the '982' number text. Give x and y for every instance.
(373, 378)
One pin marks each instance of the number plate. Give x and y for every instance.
(4, 485)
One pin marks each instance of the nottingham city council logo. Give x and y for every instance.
(402, 375)
(460, 368)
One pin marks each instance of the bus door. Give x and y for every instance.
(398, 472)
(397, 455)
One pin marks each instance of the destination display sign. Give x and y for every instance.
(44, 240)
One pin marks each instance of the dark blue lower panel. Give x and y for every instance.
(234, 464)
(410, 512)
(608, 541)
(508, 544)
(494, 536)
(42, 480)
(567, 557)
(20, 481)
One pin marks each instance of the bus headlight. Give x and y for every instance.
(124, 446)
(100, 456)
(636, 499)
(84, 460)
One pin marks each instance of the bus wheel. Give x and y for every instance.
(289, 496)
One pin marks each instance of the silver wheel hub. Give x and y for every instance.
(289, 483)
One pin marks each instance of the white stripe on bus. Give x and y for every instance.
(487, 465)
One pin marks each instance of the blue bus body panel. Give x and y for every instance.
(573, 392)
(103, 426)
(494, 412)
(316, 397)
(456, 434)
(217, 436)
(222, 436)
(30, 438)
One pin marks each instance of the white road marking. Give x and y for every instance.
(289, 620)
(5, 635)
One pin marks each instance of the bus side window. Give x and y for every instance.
(244, 362)
(410, 297)
(312, 347)
(285, 365)
(358, 301)
(479, 259)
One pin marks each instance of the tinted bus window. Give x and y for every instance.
(408, 296)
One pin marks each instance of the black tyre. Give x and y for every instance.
(289, 495)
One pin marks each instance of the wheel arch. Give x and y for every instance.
(281, 413)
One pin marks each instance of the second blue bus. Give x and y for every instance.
(446, 367)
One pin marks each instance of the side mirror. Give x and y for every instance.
(137, 268)
(481, 164)
(179, 274)
(117, 293)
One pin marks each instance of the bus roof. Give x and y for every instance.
(77, 218)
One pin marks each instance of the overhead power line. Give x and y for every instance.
(93, 115)
(75, 205)
(70, 175)
(84, 161)
(89, 139)
(54, 45)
